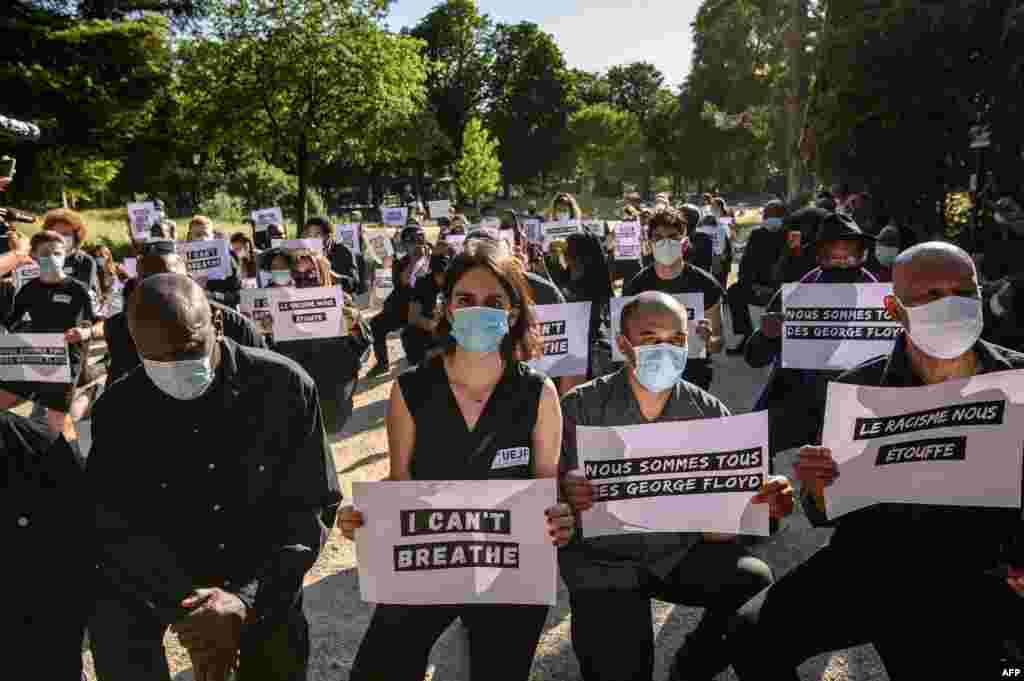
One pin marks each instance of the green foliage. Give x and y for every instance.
(478, 170)
(607, 146)
(224, 207)
(263, 185)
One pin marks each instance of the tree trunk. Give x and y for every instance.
(506, 188)
(302, 170)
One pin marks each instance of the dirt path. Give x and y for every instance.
(338, 618)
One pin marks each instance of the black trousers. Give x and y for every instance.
(127, 645)
(699, 372)
(739, 296)
(502, 640)
(416, 342)
(612, 631)
(926, 622)
(391, 318)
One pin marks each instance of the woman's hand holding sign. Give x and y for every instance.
(349, 520)
(561, 522)
(578, 491)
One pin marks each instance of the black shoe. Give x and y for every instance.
(379, 370)
(738, 348)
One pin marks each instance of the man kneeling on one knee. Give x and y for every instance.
(617, 576)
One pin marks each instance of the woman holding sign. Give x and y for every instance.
(589, 280)
(474, 413)
(224, 291)
(57, 303)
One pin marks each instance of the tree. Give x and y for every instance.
(530, 102)
(457, 41)
(634, 88)
(305, 81)
(589, 88)
(478, 170)
(607, 148)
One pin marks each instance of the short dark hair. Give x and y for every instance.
(668, 217)
(46, 236)
(319, 221)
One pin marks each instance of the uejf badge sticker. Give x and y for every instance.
(510, 458)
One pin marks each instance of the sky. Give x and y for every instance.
(594, 34)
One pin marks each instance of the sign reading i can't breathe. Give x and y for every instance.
(206, 259)
(41, 357)
(693, 302)
(684, 476)
(564, 331)
(957, 443)
(434, 543)
(835, 326)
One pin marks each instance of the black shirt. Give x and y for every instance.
(691, 280)
(543, 291)
(343, 264)
(763, 250)
(82, 267)
(54, 308)
(957, 537)
(124, 356)
(228, 492)
(501, 445)
(227, 291)
(425, 293)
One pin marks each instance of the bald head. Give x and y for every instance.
(653, 304)
(162, 263)
(170, 318)
(922, 272)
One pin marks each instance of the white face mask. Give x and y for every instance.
(668, 252)
(945, 328)
(185, 379)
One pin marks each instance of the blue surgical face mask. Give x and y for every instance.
(185, 379)
(479, 329)
(50, 264)
(281, 277)
(659, 367)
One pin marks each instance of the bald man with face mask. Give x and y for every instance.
(937, 589)
(198, 528)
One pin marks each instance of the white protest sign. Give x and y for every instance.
(448, 543)
(348, 234)
(383, 284)
(627, 241)
(395, 216)
(439, 208)
(41, 357)
(492, 232)
(456, 241)
(956, 443)
(250, 282)
(307, 313)
(315, 245)
(131, 266)
(381, 244)
(534, 231)
(206, 260)
(266, 217)
(835, 326)
(490, 223)
(714, 232)
(509, 237)
(554, 231)
(694, 304)
(255, 304)
(565, 331)
(679, 476)
(24, 274)
(142, 216)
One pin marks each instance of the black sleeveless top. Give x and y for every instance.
(501, 445)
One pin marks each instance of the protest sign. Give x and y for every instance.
(678, 476)
(383, 284)
(835, 326)
(131, 266)
(255, 304)
(315, 245)
(716, 235)
(448, 543)
(492, 232)
(307, 313)
(694, 304)
(490, 223)
(554, 231)
(142, 216)
(509, 237)
(534, 231)
(598, 228)
(394, 216)
(381, 244)
(456, 241)
(265, 217)
(439, 209)
(627, 241)
(41, 357)
(250, 282)
(956, 443)
(348, 234)
(205, 260)
(24, 274)
(565, 332)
